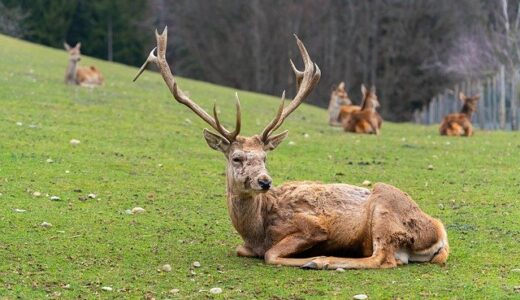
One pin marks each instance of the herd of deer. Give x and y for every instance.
(365, 118)
(310, 224)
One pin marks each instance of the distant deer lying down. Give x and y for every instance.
(338, 98)
(84, 76)
(459, 124)
(298, 223)
(364, 119)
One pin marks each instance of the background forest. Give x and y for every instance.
(409, 50)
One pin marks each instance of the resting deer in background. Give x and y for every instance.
(365, 119)
(298, 223)
(459, 124)
(84, 76)
(338, 98)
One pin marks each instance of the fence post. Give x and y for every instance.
(481, 107)
(502, 104)
(514, 99)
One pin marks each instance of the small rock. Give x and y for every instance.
(193, 273)
(46, 225)
(291, 143)
(516, 288)
(19, 210)
(107, 288)
(128, 211)
(67, 286)
(49, 160)
(441, 206)
(67, 171)
(196, 264)
(367, 183)
(166, 268)
(160, 165)
(306, 135)
(340, 270)
(430, 167)
(138, 210)
(55, 198)
(74, 142)
(516, 270)
(360, 297)
(215, 290)
(91, 196)
(19, 123)
(33, 126)
(36, 194)
(174, 291)
(187, 121)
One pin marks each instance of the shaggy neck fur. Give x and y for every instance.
(70, 73)
(246, 211)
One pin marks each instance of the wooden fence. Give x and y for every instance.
(498, 107)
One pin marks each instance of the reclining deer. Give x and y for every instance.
(303, 224)
(338, 99)
(459, 124)
(364, 119)
(84, 76)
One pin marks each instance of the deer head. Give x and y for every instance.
(74, 52)
(339, 94)
(246, 156)
(370, 101)
(469, 104)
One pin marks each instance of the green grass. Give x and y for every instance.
(140, 148)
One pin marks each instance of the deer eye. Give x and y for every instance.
(237, 159)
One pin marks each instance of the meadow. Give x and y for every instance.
(139, 148)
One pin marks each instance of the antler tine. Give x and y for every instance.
(151, 59)
(178, 94)
(229, 136)
(298, 74)
(306, 81)
(267, 130)
(238, 124)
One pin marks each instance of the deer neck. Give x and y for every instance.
(466, 110)
(70, 73)
(247, 213)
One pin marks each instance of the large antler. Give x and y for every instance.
(179, 95)
(305, 82)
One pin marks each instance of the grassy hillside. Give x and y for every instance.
(140, 148)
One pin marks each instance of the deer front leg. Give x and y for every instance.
(380, 259)
(245, 251)
(290, 245)
(468, 131)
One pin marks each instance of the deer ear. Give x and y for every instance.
(462, 97)
(216, 142)
(274, 141)
(78, 45)
(364, 90)
(67, 47)
(341, 85)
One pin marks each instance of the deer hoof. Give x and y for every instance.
(310, 265)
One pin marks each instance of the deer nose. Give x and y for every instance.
(265, 184)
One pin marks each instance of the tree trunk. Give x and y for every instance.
(110, 50)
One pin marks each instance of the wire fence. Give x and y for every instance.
(497, 108)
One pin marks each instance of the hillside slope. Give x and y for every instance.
(141, 148)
